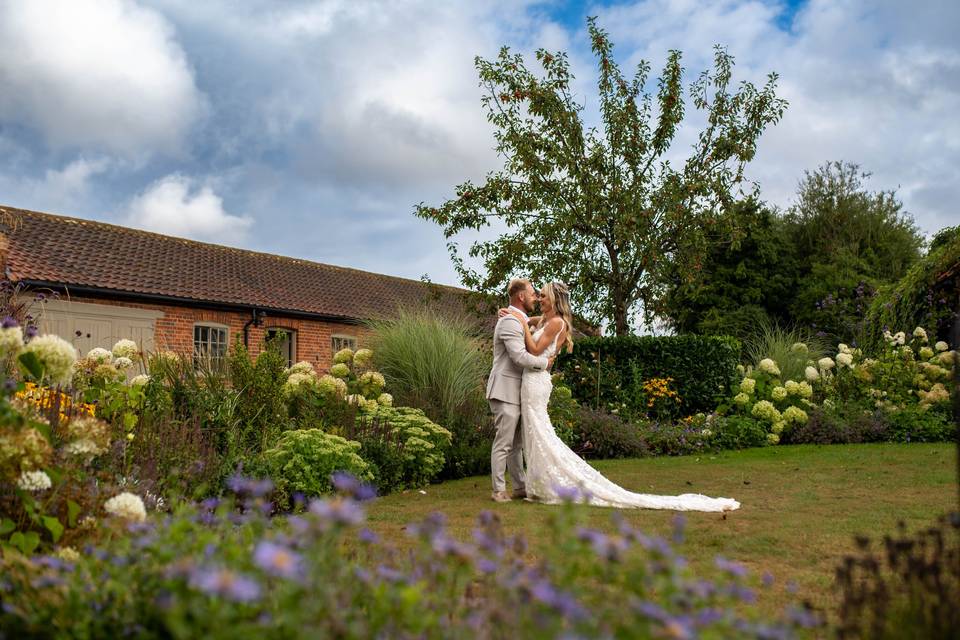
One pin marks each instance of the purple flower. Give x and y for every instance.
(733, 568)
(706, 617)
(10, 322)
(339, 512)
(568, 494)
(389, 573)
(210, 504)
(250, 486)
(225, 583)
(652, 610)
(803, 617)
(485, 565)
(30, 332)
(767, 579)
(367, 536)
(278, 560)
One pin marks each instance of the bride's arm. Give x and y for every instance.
(536, 347)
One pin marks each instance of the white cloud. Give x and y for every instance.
(58, 190)
(102, 74)
(177, 206)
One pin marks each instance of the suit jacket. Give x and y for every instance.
(510, 358)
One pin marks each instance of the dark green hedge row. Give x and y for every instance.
(609, 372)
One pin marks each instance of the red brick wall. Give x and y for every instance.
(174, 331)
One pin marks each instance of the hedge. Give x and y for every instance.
(702, 368)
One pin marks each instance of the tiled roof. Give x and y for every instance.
(45, 248)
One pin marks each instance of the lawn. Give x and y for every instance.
(801, 506)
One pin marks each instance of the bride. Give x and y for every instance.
(553, 469)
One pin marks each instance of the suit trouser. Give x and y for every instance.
(507, 451)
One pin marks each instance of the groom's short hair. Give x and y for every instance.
(516, 286)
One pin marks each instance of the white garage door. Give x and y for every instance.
(97, 325)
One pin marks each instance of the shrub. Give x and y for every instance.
(261, 410)
(844, 427)
(738, 432)
(907, 589)
(605, 435)
(679, 438)
(303, 460)
(782, 346)
(563, 412)
(424, 442)
(916, 424)
(609, 372)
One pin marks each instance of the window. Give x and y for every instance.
(342, 342)
(210, 345)
(286, 341)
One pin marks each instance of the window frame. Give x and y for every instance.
(216, 363)
(292, 356)
(352, 340)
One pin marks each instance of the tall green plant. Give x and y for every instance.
(777, 343)
(433, 362)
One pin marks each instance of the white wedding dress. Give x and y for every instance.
(552, 466)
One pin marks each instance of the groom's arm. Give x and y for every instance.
(512, 334)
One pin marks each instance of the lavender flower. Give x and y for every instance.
(278, 560)
(225, 583)
(337, 512)
(733, 568)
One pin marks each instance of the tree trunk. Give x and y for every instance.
(620, 323)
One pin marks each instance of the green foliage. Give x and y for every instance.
(260, 407)
(920, 298)
(738, 432)
(563, 410)
(433, 362)
(605, 435)
(917, 424)
(424, 442)
(609, 372)
(602, 208)
(304, 459)
(782, 346)
(742, 285)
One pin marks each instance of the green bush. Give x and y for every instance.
(738, 432)
(605, 435)
(916, 424)
(424, 442)
(303, 461)
(563, 411)
(609, 372)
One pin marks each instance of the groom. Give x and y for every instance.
(510, 358)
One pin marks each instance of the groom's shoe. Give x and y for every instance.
(519, 494)
(501, 496)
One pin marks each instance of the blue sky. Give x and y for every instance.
(311, 129)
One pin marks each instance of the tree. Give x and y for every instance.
(604, 210)
(849, 241)
(743, 285)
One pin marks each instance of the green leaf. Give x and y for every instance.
(73, 510)
(25, 542)
(31, 364)
(129, 420)
(6, 526)
(54, 526)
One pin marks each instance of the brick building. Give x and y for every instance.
(109, 282)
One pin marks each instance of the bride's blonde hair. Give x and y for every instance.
(559, 296)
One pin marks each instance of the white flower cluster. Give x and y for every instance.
(766, 411)
(344, 356)
(56, 356)
(11, 341)
(801, 389)
(332, 386)
(302, 367)
(340, 370)
(920, 333)
(767, 365)
(811, 374)
(799, 347)
(101, 355)
(941, 346)
(126, 349)
(795, 415)
(33, 481)
(895, 339)
(826, 364)
(140, 380)
(747, 385)
(362, 358)
(385, 400)
(126, 505)
(845, 359)
(122, 363)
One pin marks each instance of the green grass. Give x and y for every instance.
(801, 506)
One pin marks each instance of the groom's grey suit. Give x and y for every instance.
(510, 358)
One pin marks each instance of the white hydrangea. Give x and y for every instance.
(747, 385)
(122, 363)
(140, 380)
(845, 359)
(811, 374)
(56, 355)
(69, 554)
(101, 355)
(126, 349)
(806, 391)
(765, 409)
(340, 370)
(741, 370)
(302, 367)
(11, 341)
(126, 505)
(773, 438)
(947, 358)
(778, 427)
(362, 357)
(906, 352)
(795, 414)
(826, 364)
(941, 346)
(799, 347)
(82, 447)
(344, 356)
(842, 348)
(706, 433)
(921, 333)
(899, 338)
(34, 481)
(792, 387)
(926, 353)
(769, 366)
(385, 400)
(778, 393)
(741, 399)
(298, 379)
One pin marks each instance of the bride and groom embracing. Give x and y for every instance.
(519, 390)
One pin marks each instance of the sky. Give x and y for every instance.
(312, 129)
